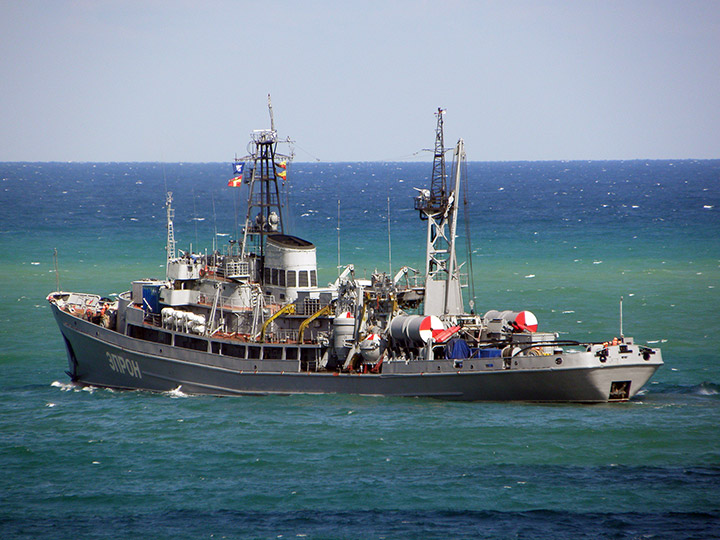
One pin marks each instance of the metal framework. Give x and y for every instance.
(264, 210)
(170, 247)
(439, 207)
(435, 200)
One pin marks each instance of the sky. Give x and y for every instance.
(181, 80)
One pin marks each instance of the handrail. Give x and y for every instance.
(322, 311)
(287, 308)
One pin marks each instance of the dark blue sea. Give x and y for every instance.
(563, 239)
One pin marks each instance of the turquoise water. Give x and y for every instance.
(563, 239)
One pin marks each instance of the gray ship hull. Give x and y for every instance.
(101, 357)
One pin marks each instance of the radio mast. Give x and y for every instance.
(440, 208)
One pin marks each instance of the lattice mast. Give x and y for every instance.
(439, 206)
(170, 247)
(438, 183)
(265, 208)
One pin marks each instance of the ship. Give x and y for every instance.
(251, 319)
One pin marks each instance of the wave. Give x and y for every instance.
(77, 387)
(393, 523)
(67, 386)
(704, 389)
(177, 393)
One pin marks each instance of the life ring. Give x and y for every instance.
(202, 272)
(202, 298)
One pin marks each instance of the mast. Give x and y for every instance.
(264, 209)
(435, 200)
(264, 214)
(272, 120)
(439, 207)
(438, 188)
(170, 247)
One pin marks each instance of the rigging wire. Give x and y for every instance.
(288, 215)
(235, 211)
(195, 218)
(389, 238)
(468, 242)
(214, 242)
(164, 177)
(315, 158)
(406, 157)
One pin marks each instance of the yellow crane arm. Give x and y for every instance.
(287, 308)
(327, 310)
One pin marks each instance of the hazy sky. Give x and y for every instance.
(163, 80)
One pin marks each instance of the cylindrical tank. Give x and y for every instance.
(415, 329)
(523, 321)
(343, 330)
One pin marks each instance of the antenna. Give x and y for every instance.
(389, 241)
(170, 247)
(57, 274)
(622, 336)
(272, 120)
(214, 226)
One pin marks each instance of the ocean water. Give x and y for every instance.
(563, 239)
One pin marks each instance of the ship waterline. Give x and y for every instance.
(101, 357)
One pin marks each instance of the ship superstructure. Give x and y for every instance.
(251, 319)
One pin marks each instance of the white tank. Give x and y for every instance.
(523, 321)
(415, 329)
(343, 331)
